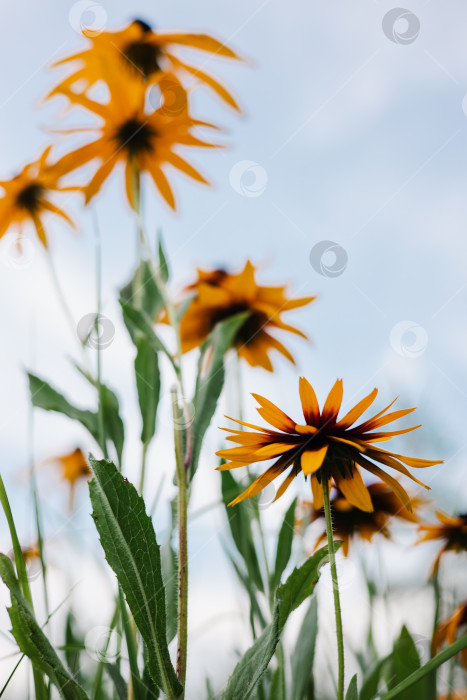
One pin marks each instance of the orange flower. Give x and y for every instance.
(323, 447)
(129, 135)
(451, 530)
(74, 467)
(143, 53)
(220, 295)
(447, 631)
(350, 522)
(27, 197)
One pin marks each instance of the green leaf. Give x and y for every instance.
(140, 321)
(250, 669)
(284, 545)
(33, 642)
(254, 663)
(169, 564)
(113, 423)
(148, 384)
(129, 542)
(277, 690)
(352, 690)
(163, 264)
(120, 686)
(427, 669)
(371, 681)
(240, 527)
(143, 293)
(210, 379)
(45, 397)
(301, 583)
(404, 661)
(304, 652)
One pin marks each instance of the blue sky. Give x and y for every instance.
(347, 136)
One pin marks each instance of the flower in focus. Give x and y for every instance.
(74, 467)
(220, 295)
(26, 197)
(143, 53)
(452, 531)
(447, 631)
(323, 447)
(142, 141)
(350, 522)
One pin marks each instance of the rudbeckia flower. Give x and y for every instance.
(27, 197)
(323, 447)
(349, 522)
(452, 531)
(141, 141)
(447, 631)
(220, 295)
(74, 468)
(144, 53)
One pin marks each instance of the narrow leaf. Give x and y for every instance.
(240, 526)
(284, 545)
(352, 690)
(142, 292)
(210, 380)
(32, 641)
(148, 384)
(304, 652)
(143, 323)
(129, 542)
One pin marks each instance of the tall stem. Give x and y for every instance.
(335, 588)
(182, 629)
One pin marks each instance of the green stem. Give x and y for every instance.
(182, 627)
(143, 468)
(335, 588)
(430, 666)
(102, 435)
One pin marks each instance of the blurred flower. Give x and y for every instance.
(451, 530)
(144, 53)
(220, 295)
(142, 141)
(447, 631)
(350, 522)
(322, 447)
(74, 467)
(27, 197)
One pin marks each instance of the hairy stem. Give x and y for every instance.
(335, 588)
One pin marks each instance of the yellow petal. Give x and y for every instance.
(273, 415)
(309, 402)
(312, 460)
(354, 489)
(360, 408)
(333, 403)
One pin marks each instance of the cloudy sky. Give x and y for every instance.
(345, 178)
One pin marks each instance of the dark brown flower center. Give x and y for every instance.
(249, 330)
(143, 58)
(136, 136)
(30, 197)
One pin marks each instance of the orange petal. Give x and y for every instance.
(285, 484)
(309, 401)
(333, 403)
(355, 413)
(260, 483)
(354, 489)
(312, 460)
(317, 491)
(275, 416)
(400, 492)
